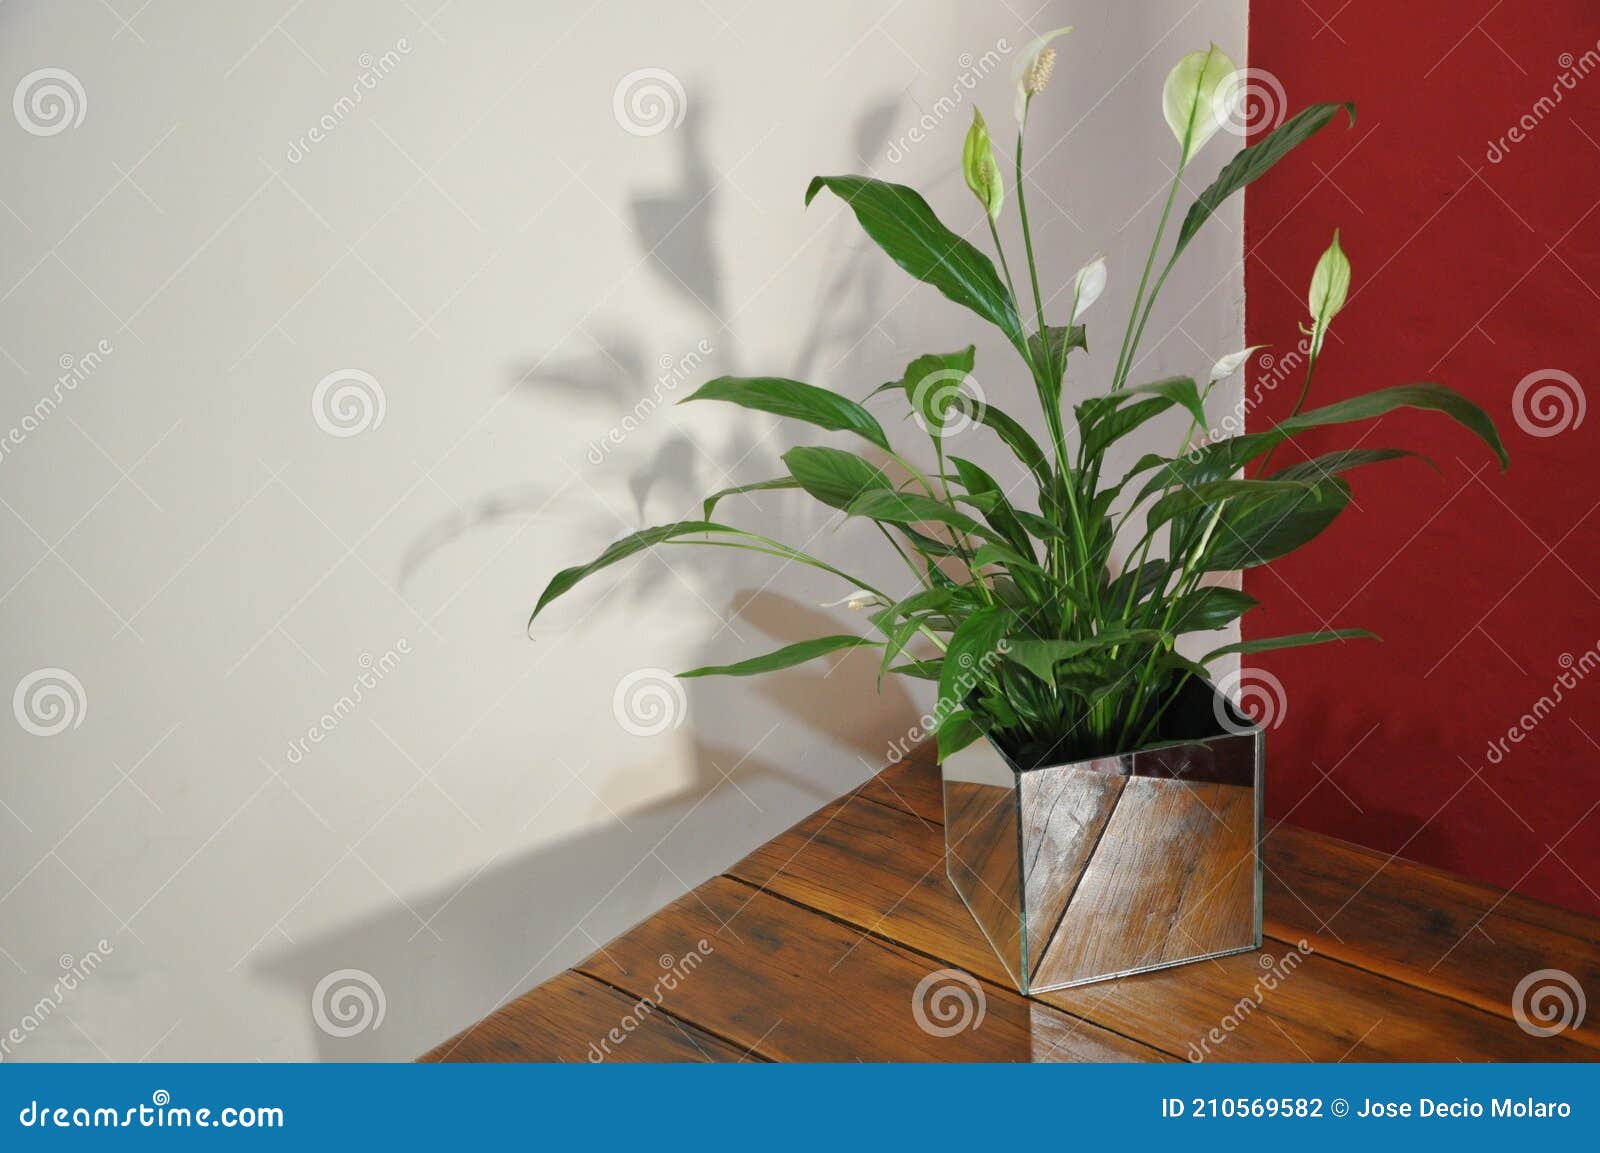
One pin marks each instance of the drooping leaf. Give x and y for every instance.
(786, 657)
(1104, 420)
(796, 400)
(1333, 463)
(1434, 397)
(628, 546)
(1002, 517)
(1253, 162)
(1178, 389)
(709, 505)
(923, 670)
(903, 225)
(1267, 644)
(833, 476)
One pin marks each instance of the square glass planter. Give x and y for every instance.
(1121, 864)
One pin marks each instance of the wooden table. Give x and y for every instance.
(813, 948)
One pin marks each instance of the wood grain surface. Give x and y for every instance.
(842, 939)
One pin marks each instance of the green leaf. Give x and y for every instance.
(1211, 492)
(1209, 607)
(1434, 397)
(1177, 389)
(903, 225)
(621, 550)
(1267, 644)
(786, 657)
(709, 505)
(1055, 345)
(958, 731)
(912, 508)
(933, 385)
(833, 476)
(967, 658)
(1333, 463)
(1020, 442)
(1104, 420)
(923, 670)
(1000, 514)
(1253, 533)
(794, 399)
(1040, 657)
(1254, 162)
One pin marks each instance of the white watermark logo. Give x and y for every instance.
(347, 1002)
(49, 101)
(674, 371)
(953, 398)
(373, 670)
(973, 69)
(1256, 695)
(1547, 1002)
(348, 403)
(75, 971)
(1548, 402)
(49, 701)
(947, 1002)
(648, 702)
(1274, 971)
(1573, 69)
(648, 101)
(1248, 101)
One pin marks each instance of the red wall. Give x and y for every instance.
(1473, 270)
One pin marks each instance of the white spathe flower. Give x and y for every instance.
(1189, 98)
(1031, 72)
(1087, 286)
(1231, 363)
(855, 600)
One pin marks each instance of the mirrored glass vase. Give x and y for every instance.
(1115, 865)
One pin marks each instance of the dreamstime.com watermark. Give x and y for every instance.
(648, 101)
(1548, 402)
(972, 671)
(373, 671)
(1274, 971)
(1573, 69)
(972, 71)
(673, 373)
(1256, 695)
(1274, 371)
(75, 971)
(373, 69)
(1577, 669)
(75, 370)
(160, 1113)
(677, 969)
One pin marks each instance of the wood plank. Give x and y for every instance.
(1423, 926)
(1063, 817)
(793, 985)
(572, 1017)
(881, 869)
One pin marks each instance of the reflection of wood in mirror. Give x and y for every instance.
(981, 828)
(1171, 878)
(1064, 812)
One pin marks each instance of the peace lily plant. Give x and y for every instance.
(1036, 634)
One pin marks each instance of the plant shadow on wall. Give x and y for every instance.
(392, 984)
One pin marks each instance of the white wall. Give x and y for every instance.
(512, 268)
